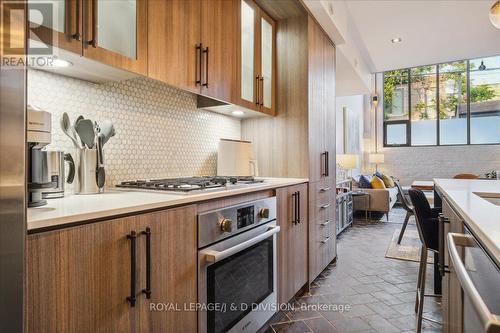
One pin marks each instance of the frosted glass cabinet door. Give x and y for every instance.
(54, 22)
(117, 26)
(248, 15)
(266, 61)
(116, 33)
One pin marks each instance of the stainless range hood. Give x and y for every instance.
(210, 104)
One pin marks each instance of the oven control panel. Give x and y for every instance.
(226, 222)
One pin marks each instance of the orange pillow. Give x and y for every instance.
(377, 183)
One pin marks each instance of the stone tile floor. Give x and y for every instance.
(377, 293)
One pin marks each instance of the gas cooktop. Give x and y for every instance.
(189, 184)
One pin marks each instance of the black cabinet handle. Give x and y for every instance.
(147, 291)
(257, 91)
(198, 64)
(327, 163)
(294, 198)
(323, 164)
(206, 67)
(442, 267)
(261, 91)
(93, 41)
(298, 207)
(77, 35)
(132, 237)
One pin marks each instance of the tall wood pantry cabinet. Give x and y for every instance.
(300, 140)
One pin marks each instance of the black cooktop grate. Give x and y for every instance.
(187, 184)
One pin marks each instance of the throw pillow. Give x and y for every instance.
(388, 182)
(379, 174)
(364, 182)
(377, 183)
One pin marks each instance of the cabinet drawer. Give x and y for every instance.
(322, 191)
(322, 211)
(324, 228)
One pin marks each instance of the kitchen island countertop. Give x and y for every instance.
(74, 209)
(480, 215)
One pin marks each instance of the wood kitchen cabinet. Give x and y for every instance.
(90, 28)
(80, 278)
(292, 240)
(300, 140)
(192, 45)
(452, 300)
(115, 33)
(64, 30)
(256, 77)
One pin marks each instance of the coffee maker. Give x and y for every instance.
(39, 130)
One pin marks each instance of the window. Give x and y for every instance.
(453, 103)
(485, 100)
(423, 106)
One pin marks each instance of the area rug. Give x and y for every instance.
(409, 249)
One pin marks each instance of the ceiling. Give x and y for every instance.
(432, 31)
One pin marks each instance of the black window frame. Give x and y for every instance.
(438, 103)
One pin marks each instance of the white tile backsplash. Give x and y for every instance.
(159, 130)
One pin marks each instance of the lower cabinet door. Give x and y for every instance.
(82, 279)
(172, 272)
(292, 240)
(78, 279)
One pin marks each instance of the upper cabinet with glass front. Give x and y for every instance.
(113, 32)
(256, 86)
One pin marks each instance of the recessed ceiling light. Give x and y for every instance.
(60, 63)
(396, 40)
(237, 113)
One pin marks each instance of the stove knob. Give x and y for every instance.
(226, 225)
(264, 213)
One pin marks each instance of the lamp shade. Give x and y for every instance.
(376, 158)
(348, 161)
(495, 14)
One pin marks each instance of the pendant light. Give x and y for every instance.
(482, 67)
(495, 14)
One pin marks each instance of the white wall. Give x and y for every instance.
(425, 163)
(355, 108)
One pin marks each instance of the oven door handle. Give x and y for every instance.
(490, 322)
(215, 256)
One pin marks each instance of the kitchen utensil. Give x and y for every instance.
(86, 182)
(68, 129)
(108, 131)
(86, 130)
(100, 172)
(80, 117)
(57, 173)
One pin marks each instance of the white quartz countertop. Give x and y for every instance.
(113, 202)
(480, 215)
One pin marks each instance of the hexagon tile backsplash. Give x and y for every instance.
(159, 131)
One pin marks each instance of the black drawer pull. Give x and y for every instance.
(147, 291)
(198, 64)
(132, 237)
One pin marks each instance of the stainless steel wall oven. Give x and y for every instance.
(237, 267)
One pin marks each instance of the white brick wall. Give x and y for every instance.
(424, 163)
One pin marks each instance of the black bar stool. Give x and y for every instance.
(428, 231)
(407, 206)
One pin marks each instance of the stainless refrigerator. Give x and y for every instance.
(12, 176)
